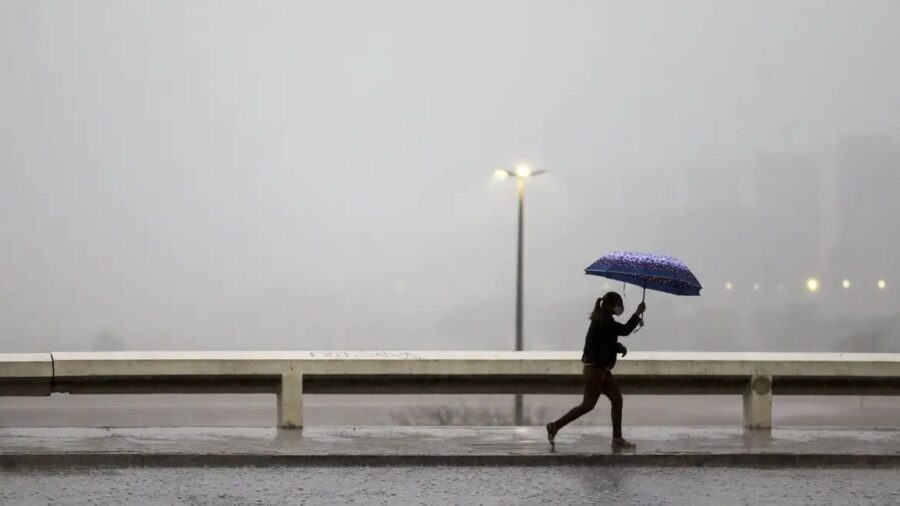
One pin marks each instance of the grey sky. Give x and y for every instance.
(302, 175)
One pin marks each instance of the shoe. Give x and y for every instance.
(551, 434)
(622, 444)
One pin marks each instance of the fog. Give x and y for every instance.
(318, 175)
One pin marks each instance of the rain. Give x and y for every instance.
(339, 176)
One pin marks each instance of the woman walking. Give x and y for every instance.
(601, 345)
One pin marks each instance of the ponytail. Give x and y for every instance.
(609, 298)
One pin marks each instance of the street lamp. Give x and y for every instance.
(521, 173)
(812, 284)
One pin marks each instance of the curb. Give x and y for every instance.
(31, 461)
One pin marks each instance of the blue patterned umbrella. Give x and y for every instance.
(654, 272)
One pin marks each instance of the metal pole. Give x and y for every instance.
(519, 343)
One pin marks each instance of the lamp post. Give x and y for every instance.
(522, 173)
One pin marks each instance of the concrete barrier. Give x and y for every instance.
(25, 374)
(289, 375)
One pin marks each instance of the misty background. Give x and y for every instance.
(318, 175)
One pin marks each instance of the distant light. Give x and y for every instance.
(729, 286)
(812, 284)
(756, 287)
(846, 283)
(501, 174)
(882, 284)
(523, 171)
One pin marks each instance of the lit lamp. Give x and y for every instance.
(812, 284)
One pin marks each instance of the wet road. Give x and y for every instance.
(452, 485)
(435, 443)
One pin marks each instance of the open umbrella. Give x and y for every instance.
(655, 272)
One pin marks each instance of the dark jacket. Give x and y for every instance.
(602, 341)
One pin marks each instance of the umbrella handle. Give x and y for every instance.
(643, 298)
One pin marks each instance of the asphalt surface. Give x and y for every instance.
(452, 485)
(158, 466)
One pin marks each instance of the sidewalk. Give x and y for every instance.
(656, 446)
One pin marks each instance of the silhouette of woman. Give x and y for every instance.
(601, 345)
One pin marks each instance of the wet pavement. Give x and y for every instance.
(565, 485)
(39, 447)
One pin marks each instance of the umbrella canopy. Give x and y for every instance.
(651, 272)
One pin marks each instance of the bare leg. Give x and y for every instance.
(611, 390)
(593, 379)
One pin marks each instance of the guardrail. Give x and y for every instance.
(755, 376)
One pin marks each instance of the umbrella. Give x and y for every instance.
(656, 272)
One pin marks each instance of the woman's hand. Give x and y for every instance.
(641, 308)
(622, 349)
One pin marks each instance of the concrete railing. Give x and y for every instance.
(755, 376)
(26, 373)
